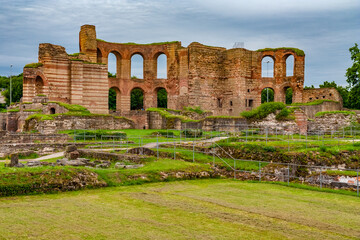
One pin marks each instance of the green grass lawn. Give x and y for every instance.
(198, 209)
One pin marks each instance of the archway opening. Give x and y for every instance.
(290, 66)
(99, 56)
(288, 95)
(137, 66)
(114, 99)
(162, 66)
(39, 86)
(52, 110)
(161, 98)
(267, 95)
(267, 67)
(137, 99)
(112, 65)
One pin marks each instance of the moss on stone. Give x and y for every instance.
(33, 65)
(298, 52)
(316, 102)
(132, 43)
(346, 113)
(164, 113)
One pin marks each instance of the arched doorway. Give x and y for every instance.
(137, 99)
(161, 97)
(52, 110)
(114, 99)
(39, 86)
(288, 95)
(267, 95)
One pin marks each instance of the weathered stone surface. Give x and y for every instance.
(70, 148)
(141, 151)
(14, 160)
(33, 164)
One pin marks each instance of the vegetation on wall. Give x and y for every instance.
(263, 110)
(315, 102)
(196, 109)
(112, 99)
(33, 65)
(346, 113)
(298, 52)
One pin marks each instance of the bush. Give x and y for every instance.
(191, 133)
(263, 110)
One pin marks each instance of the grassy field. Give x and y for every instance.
(201, 209)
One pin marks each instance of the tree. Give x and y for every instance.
(288, 96)
(353, 78)
(17, 88)
(137, 99)
(264, 95)
(309, 87)
(162, 98)
(112, 99)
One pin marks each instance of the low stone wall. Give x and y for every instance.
(3, 117)
(39, 148)
(223, 124)
(331, 122)
(311, 110)
(32, 138)
(112, 156)
(272, 125)
(65, 122)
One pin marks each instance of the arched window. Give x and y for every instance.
(290, 66)
(39, 86)
(162, 66)
(114, 99)
(161, 98)
(137, 99)
(267, 67)
(114, 64)
(137, 67)
(267, 95)
(288, 95)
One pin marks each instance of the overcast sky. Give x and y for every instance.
(324, 29)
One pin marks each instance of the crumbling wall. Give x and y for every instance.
(310, 95)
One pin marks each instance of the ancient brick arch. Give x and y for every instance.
(197, 75)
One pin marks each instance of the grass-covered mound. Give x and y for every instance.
(346, 113)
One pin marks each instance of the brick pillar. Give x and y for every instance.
(301, 121)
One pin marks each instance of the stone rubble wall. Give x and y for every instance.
(331, 122)
(65, 122)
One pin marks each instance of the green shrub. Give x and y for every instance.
(323, 148)
(40, 117)
(263, 110)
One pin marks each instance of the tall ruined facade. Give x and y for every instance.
(223, 81)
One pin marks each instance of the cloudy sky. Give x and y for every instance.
(324, 29)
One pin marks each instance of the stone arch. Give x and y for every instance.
(161, 97)
(161, 65)
(137, 99)
(137, 65)
(117, 64)
(114, 101)
(289, 65)
(39, 86)
(267, 95)
(267, 66)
